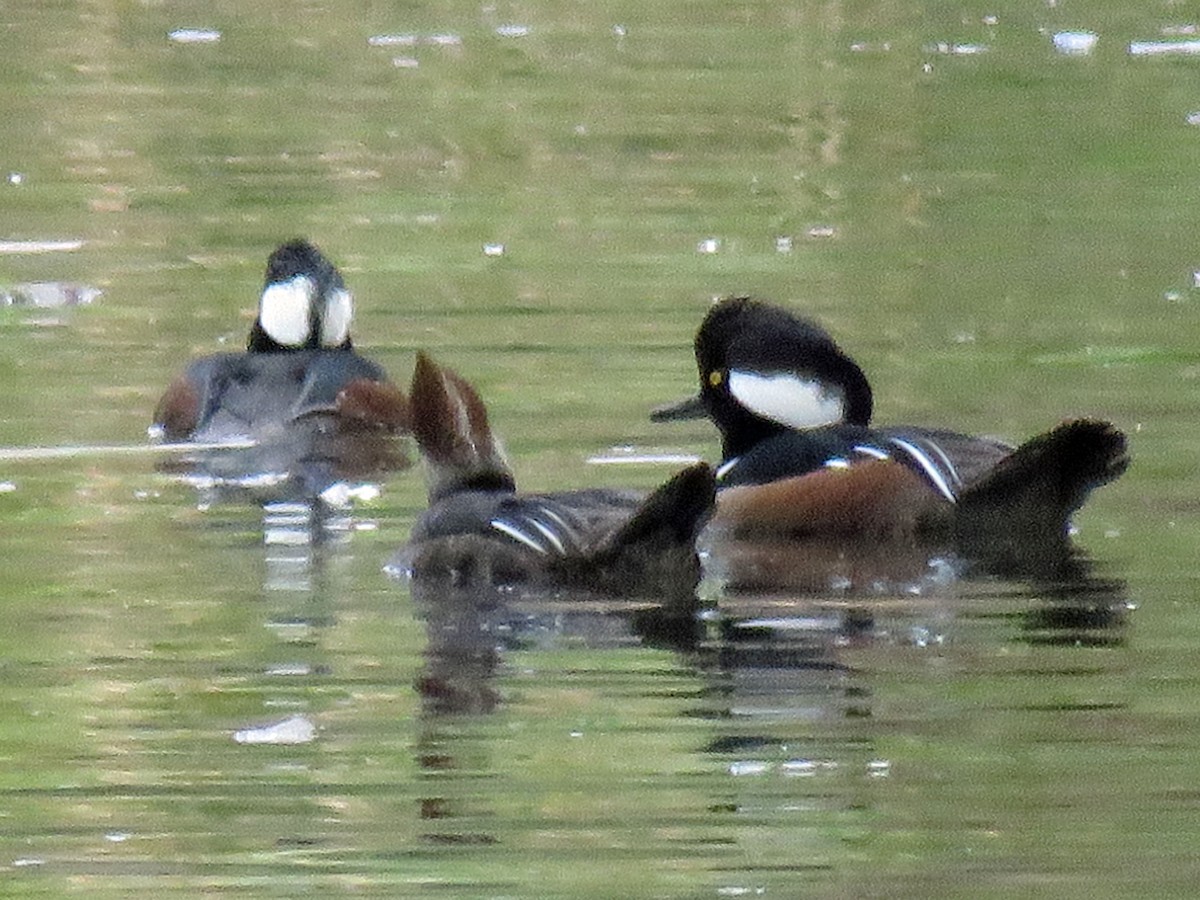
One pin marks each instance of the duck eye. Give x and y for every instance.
(715, 378)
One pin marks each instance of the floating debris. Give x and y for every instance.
(493, 249)
(1164, 48)
(748, 767)
(822, 231)
(1187, 28)
(790, 768)
(405, 62)
(413, 40)
(794, 623)
(1074, 43)
(709, 245)
(194, 36)
(7, 487)
(806, 768)
(48, 294)
(627, 456)
(922, 637)
(342, 495)
(39, 246)
(289, 670)
(15, 178)
(294, 730)
(392, 40)
(513, 30)
(783, 244)
(948, 49)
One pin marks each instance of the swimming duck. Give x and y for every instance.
(800, 456)
(479, 527)
(299, 393)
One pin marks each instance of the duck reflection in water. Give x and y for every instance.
(807, 693)
(472, 631)
(299, 410)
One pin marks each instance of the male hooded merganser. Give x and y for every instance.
(299, 392)
(801, 457)
(479, 529)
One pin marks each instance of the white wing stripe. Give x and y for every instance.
(724, 467)
(946, 463)
(549, 535)
(868, 450)
(929, 466)
(521, 537)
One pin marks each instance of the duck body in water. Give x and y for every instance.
(312, 409)
(802, 459)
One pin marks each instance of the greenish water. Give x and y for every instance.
(1002, 238)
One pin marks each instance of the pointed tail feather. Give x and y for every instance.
(450, 424)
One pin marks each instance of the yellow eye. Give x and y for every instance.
(715, 378)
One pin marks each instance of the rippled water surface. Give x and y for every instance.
(213, 694)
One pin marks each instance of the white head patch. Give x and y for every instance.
(787, 399)
(283, 310)
(335, 325)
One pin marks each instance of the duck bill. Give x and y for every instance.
(691, 408)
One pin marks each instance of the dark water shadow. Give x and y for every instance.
(470, 629)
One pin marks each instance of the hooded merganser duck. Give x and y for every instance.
(479, 529)
(299, 393)
(800, 455)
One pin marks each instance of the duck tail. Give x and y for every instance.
(654, 552)
(1030, 495)
(672, 515)
(450, 424)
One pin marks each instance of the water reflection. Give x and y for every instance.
(309, 459)
(800, 692)
(900, 566)
(305, 547)
(816, 699)
(473, 632)
(296, 536)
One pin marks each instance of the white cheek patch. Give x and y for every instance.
(335, 325)
(283, 310)
(786, 399)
